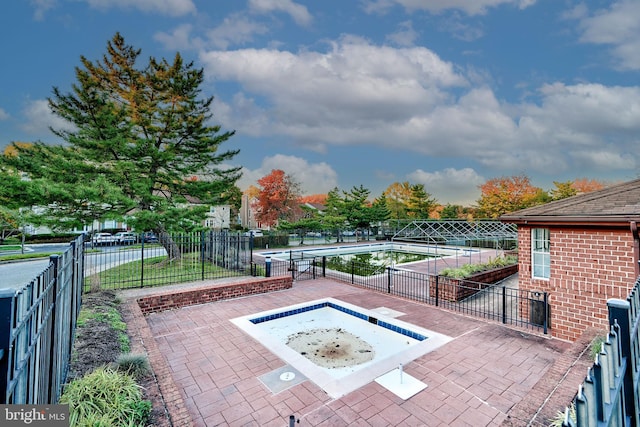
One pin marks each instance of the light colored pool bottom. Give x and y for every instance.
(394, 342)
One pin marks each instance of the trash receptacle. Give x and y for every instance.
(537, 308)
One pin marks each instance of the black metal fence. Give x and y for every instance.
(497, 301)
(610, 394)
(184, 257)
(37, 326)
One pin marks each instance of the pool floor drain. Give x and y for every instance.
(287, 376)
(282, 378)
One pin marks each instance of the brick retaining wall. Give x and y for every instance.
(204, 294)
(458, 289)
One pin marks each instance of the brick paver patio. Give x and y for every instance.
(474, 380)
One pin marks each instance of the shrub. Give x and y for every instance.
(469, 270)
(136, 365)
(106, 398)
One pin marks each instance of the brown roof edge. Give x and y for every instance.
(605, 220)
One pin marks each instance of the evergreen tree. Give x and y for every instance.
(333, 216)
(356, 208)
(420, 202)
(141, 146)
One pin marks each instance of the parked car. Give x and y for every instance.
(126, 237)
(103, 239)
(256, 233)
(149, 237)
(314, 234)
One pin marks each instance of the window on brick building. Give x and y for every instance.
(540, 258)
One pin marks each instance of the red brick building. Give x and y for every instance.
(582, 250)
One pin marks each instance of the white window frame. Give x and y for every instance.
(540, 253)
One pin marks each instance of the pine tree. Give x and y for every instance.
(141, 146)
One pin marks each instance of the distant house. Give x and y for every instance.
(218, 217)
(247, 213)
(582, 250)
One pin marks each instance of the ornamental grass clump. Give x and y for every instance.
(136, 365)
(469, 270)
(106, 398)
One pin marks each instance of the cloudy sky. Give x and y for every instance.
(342, 93)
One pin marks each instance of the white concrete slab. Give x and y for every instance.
(401, 384)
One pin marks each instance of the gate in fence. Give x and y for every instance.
(303, 269)
(37, 325)
(609, 395)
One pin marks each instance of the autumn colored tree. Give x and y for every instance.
(314, 198)
(252, 192)
(584, 185)
(507, 194)
(398, 196)
(278, 198)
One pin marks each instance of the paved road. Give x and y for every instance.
(17, 274)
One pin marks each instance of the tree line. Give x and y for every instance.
(278, 202)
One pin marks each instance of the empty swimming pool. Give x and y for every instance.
(328, 323)
(336, 250)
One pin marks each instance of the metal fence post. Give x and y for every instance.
(267, 266)
(504, 304)
(620, 317)
(6, 299)
(142, 263)
(353, 272)
(324, 266)
(388, 279)
(437, 290)
(545, 311)
(55, 339)
(202, 253)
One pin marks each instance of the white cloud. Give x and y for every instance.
(405, 36)
(163, 7)
(39, 118)
(3, 114)
(314, 178)
(410, 101)
(179, 39)
(618, 26)
(470, 7)
(41, 7)
(456, 186)
(299, 13)
(235, 29)
(340, 96)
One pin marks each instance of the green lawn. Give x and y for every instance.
(156, 271)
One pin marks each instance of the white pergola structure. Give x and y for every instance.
(458, 232)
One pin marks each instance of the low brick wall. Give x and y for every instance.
(201, 295)
(458, 289)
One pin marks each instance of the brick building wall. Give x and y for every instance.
(588, 266)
